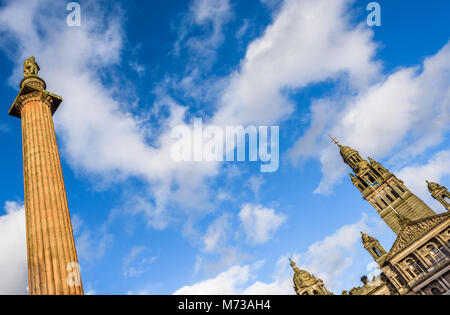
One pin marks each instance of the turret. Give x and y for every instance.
(440, 193)
(372, 245)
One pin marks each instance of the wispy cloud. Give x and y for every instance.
(136, 262)
(406, 113)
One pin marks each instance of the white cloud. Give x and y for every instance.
(255, 183)
(99, 136)
(260, 223)
(404, 114)
(330, 257)
(327, 259)
(308, 42)
(239, 280)
(13, 250)
(217, 233)
(226, 283)
(435, 170)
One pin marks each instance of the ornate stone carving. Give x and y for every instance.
(30, 67)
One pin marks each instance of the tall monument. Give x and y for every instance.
(52, 259)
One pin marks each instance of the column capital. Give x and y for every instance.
(33, 89)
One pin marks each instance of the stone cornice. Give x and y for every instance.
(29, 93)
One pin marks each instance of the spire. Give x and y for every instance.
(292, 263)
(349, 155)
(335, 141)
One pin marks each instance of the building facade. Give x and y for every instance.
(419, 261)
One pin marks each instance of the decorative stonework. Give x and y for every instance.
(414, 231)
(29, 94)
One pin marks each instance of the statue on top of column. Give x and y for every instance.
(30, 67)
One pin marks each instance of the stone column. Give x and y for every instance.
(52, 259)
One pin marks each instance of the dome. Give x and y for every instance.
(366, 238)
(346, 152)
(303, 278)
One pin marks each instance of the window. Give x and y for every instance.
(390, 198)
(400, 188)
(431, 259)
(394, 193)
(376, 252)
(315, 292)
(413, 268)
(382, 199)
(436, 254)
(371, 179)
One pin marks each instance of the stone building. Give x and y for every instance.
(419, 261)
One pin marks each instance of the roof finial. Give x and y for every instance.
(335, 141)
(292, 263)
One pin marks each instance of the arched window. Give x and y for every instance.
(315, 292)
(376, 252)
(400, 188)
(384, 201)
(371, 179)
(361, 187)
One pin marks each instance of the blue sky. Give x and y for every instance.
(135, 69)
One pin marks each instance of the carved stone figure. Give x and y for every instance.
(30, 67)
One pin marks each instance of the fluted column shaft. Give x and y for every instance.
(52, 258)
